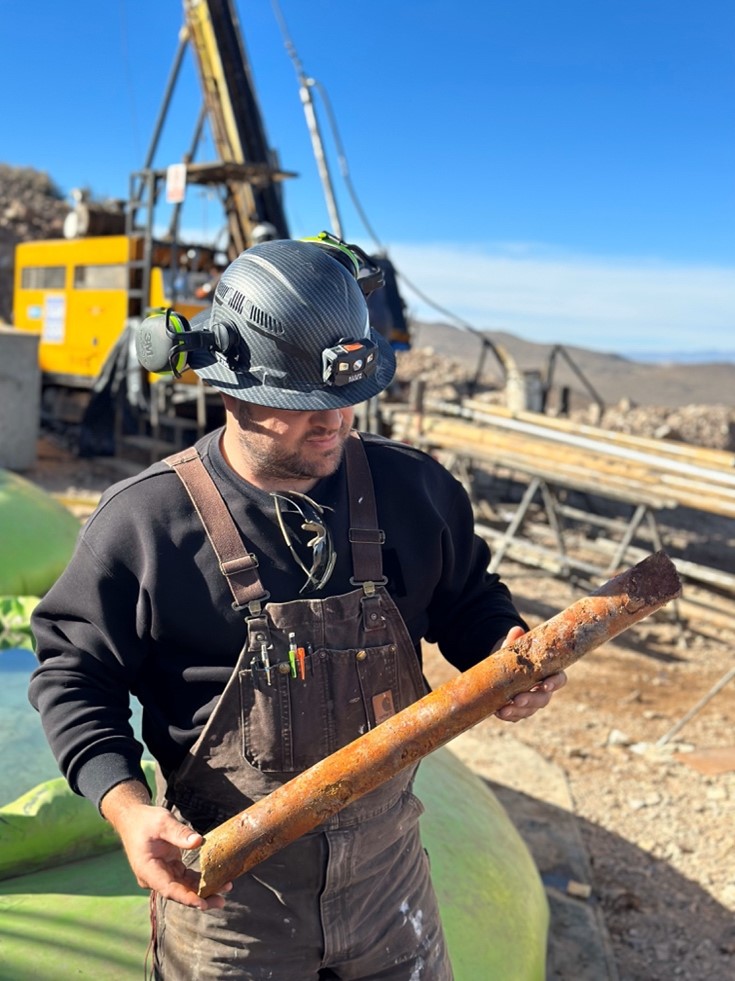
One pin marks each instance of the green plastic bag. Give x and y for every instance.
(15, 615)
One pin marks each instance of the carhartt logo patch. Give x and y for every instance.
(383, 707)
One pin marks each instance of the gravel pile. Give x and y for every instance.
(444, 377)
(701, 425)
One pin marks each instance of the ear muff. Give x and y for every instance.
(158, 344)
(225, 339)
(163, 340)
(179, 325)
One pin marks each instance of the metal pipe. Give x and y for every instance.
(710, 489)
(588, 443)
(322, 163)
(158, 127)
(306, 84)
(720, 459)
(319, 792)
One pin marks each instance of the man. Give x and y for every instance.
(264, 598)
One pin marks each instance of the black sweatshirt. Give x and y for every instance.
(143, 608)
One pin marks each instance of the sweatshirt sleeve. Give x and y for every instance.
(89, 652)
(471, 608)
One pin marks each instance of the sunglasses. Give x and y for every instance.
(312, 522)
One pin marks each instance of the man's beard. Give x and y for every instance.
(272, 462)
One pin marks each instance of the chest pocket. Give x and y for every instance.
(292, 723)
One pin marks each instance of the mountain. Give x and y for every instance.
(613, 376)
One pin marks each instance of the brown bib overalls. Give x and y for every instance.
(353, 898)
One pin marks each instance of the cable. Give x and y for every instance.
(345, 170)
(278, 14)
(344, 167)
(440, 309)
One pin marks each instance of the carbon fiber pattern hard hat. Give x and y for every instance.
(291, 305)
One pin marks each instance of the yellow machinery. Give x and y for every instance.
(76, 295)
(82, 292)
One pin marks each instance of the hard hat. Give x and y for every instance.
(290, 330)
(264, 231)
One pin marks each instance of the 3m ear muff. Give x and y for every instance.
(164, 339)
(156, 344)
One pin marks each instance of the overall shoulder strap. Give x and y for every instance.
(238, 566)
(366, 538)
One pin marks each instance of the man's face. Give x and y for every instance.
(284, 450)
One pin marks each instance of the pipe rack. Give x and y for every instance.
(553, 457)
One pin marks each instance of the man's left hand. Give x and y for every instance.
(523, 706)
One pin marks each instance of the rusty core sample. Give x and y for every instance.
(316, 794)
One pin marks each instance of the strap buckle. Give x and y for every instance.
(368, 587)
(366, 536)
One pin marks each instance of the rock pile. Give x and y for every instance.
(701, 425)
(31, 208)
(444, 377)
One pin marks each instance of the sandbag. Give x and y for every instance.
(50, 825)
(37, 537)
(15, 622)
(492, 901)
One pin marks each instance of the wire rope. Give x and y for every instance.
(346, 174)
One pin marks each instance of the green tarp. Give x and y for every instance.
(87, 920)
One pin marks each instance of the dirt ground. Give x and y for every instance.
(658, 821)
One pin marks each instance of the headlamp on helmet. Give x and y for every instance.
(349, 361)
(289, 328)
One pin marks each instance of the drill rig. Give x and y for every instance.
(82, 293)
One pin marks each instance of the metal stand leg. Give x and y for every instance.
(724, 680)
(515, 524)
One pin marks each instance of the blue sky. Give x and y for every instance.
(564, 171)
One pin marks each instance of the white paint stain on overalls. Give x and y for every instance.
(416, 919)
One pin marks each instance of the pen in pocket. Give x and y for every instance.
(292, 653)
(265, 658)
(254, 665)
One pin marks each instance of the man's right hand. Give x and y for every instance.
(153, 841)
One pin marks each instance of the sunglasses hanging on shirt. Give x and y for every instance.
(311, 517)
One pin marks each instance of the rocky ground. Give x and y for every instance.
(657, 821)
